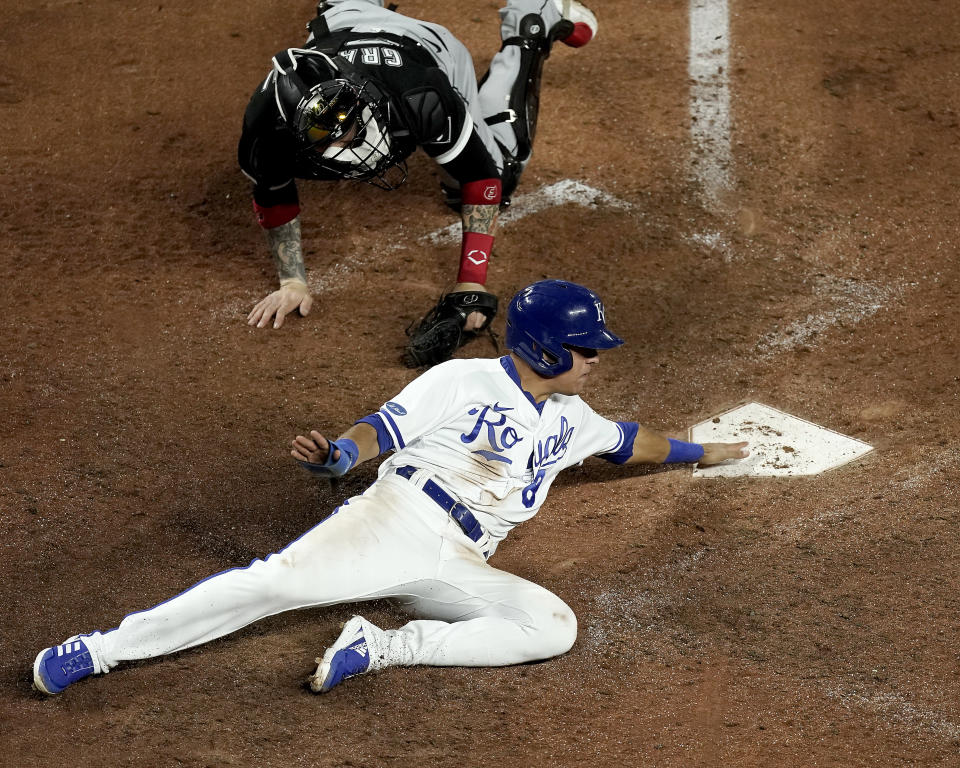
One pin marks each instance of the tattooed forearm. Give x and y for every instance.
(284, 242)
(480, 218)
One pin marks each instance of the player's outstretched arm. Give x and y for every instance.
(284, 244)
(651, 447)
(357, 444)
(714, 453)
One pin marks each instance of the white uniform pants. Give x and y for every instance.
(391, 542)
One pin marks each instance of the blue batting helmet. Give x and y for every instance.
(546, 318)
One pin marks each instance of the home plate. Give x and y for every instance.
(780, 444)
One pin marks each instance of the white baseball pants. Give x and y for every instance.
(390, 542)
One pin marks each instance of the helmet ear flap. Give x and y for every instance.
(547, 357)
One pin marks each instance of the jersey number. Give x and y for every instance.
(530, 492)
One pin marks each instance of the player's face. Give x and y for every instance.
(572, 382)
(345, 140)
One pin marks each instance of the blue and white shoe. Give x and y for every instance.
(62, 665)
(354, 653)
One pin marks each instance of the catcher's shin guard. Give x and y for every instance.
(534, 41)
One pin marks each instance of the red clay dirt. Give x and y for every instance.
(747, 622)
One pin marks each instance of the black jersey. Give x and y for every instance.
(424, 110)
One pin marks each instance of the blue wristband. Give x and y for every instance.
(683, 453)
(330, 468)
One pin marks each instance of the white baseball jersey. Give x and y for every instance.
(484, 440)
(467, 424)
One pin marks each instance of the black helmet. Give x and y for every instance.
(548, 317)
(338, 116)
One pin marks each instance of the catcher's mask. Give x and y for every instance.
(548, 318)
(338, 116)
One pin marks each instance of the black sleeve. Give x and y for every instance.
(474, 162)
(266, 151)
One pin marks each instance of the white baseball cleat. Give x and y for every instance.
(354, 653)
(583, 20)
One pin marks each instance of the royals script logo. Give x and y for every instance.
(548, 452)
(551, 450)
(491, 422)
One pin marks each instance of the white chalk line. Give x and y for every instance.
(927, 470)
(331, 277)
(566, 191)
(894, 708)
(710, 123)
(853, 302)
(618, 610)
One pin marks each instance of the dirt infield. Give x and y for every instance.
(748, 622)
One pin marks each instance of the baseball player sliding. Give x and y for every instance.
(368, 88)
(476, 445)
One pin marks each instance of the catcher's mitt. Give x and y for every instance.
(438, 335)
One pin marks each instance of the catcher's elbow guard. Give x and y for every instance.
(330, 468)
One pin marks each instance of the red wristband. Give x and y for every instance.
(474, 257)
(275, 215)
(483, 192)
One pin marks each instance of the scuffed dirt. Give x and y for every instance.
(748, 622)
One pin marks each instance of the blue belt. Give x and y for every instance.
(457, 510)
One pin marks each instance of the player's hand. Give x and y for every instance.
(714, 453)
(280, 303)
(474, 319)
(313, 449)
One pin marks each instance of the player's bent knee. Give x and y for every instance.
(556, 630)
(565, 630)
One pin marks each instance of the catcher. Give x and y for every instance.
(367, 89)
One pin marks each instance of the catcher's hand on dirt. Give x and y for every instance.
(280, 303)
(714, 453)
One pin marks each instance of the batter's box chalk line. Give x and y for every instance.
(781, 445)
(549, 196)
(849, 301)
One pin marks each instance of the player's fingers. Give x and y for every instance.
(305, 445)
(474, 320)
(322, 443)
(282, 310)
(714, 453)
(254, 317)
(733, 450)
(269, 307)
(305, 305)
